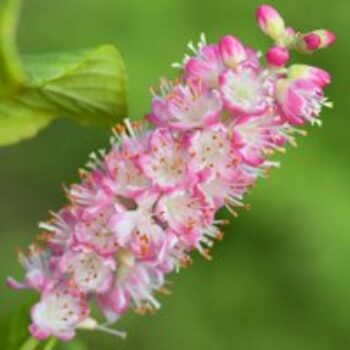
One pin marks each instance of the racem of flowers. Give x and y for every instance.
(142, 207)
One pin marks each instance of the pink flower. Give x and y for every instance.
(94, 233)
(91, 194)
(89, 271)
(60, 228)
(243, 91)
(300, 100)
(185, 213)
(165, 163)
(186, 106)
(212, 149)
(137, 229)
(228, 189)
(207, 66)
(38, 273)
(134, 284)
(125, 176)
(58, 314)
(255, 136)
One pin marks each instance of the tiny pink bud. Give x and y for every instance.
(318, 39)
(270, 22)
(312, 41)
(231, 50)
(277, 56)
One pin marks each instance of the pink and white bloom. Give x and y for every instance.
(186, 214)
(89, 271)
(126, 178)
(60, 228)
(300, 100)
(137, 229)
(186, 106)
(95, 233)
(58, 314)
(256, 136)
(244, 91)
(134, 285)
(91, 194)
(228, 189)
(212, 149)
(165, 163)
(207, 65)
(38, 274)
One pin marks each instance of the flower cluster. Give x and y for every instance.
(142, 207)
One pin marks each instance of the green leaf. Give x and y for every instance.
(88, 86)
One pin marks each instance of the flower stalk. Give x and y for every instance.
(144, 205)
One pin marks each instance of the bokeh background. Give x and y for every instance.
(280, 279)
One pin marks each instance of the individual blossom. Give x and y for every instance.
(300, 96)
(94, 233)
(187, 214)
(256, 137)
(38, 273)
(165, 162)
(186, 106)
(244, 91)
(212, 150)
(137, 229)
(87, 270)
(134, 285)
(58, 313)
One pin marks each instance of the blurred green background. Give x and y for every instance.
(280, 279)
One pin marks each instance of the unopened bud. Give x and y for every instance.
(318, 39)
(277, 56)
(232, 51)
(270, 22)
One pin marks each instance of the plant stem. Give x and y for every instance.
(11, 72)
(50, 344)
(30, 344)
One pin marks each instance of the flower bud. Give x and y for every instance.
(232, 51)
(270, 22)
(277, 56)
(318, 39)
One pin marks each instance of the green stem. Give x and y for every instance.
(30, 344)
(33, 344)
(11, 72)
(51, 343)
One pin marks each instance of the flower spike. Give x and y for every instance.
(144, 205)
